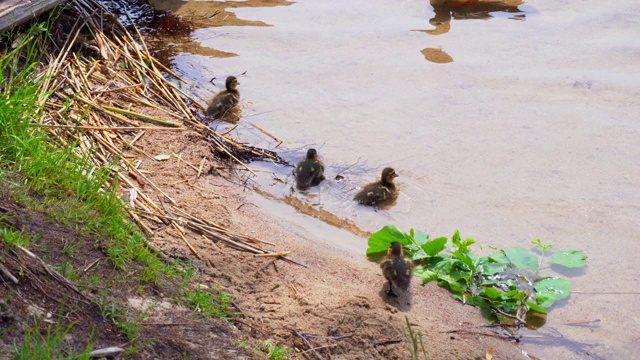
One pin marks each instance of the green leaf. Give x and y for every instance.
(162, 157)
(542, 247)
(545, 300)
(421, 238)
(434, 246)
(569, 258)
(418, 254)
(499, 258)
(492, 293)
(535, 307)
(521, 258)
(452, 283)
(466, 259)
(487, 268)
(426, 275)
(382, 239)
(551, 289)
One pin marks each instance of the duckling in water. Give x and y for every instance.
(225, 100)
(310, 171)
(380, 192)
(396, 268)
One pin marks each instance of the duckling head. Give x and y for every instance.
(312, 153)
(395, 249)
(231, 83)
(388, 174)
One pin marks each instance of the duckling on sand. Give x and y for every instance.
(397, 268)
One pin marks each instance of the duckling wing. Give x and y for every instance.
(319, 173)
(221, 103)
(387, 269)
(373, 194)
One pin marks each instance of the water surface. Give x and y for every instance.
(531, 130)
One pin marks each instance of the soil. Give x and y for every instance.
(330, 301)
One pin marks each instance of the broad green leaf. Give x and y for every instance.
(492, 293)
(162, 157)
(551, 289)
(421, 238)
(434, 246)
(465, 259)
(499, 258)
(535, 307)
(451, 282)
(569, 258)
(521, 258)
(418, 254)
(382, 239)
(426, 275)
(545, 300)
(489, 268)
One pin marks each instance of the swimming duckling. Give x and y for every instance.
(310, 171)
(225, 100)
(396, 268)
(380, 192)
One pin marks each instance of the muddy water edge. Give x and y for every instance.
(506, 120)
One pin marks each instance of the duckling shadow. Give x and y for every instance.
(402, 302)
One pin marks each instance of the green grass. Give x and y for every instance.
(14, 237)
(49, 177)
(42, 174)
(49, 346)
(275, 352)
(211, 305)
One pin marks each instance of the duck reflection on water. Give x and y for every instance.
(445, 10)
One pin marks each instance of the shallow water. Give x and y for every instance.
(529, 130)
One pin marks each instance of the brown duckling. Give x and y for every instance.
(310, 171)
(397, 268)
(225, 100)
(380, 192)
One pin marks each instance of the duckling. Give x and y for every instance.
(225, 100)
(380, 192)
(396, 268)
(310, 171)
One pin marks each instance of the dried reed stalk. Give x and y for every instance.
(90, 100)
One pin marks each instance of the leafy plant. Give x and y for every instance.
(506, 282)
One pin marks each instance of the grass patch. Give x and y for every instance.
(46, 174)
(48, 346)
(14, 237)
(211, 305)
(50, 177)
(274, 352)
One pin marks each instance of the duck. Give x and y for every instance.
(380, 192)
(225, 100)
(397, 269)
(310, 171)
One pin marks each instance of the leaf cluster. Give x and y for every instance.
(505, 282)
